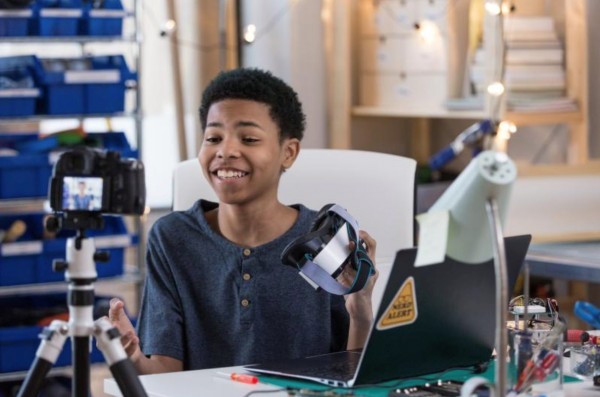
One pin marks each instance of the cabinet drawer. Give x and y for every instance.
(411, 91)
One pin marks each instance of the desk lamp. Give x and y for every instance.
(476, 204)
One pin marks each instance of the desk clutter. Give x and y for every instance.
(537, 344)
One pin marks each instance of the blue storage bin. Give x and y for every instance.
(25, 175)
(106, 20)
(57, 17)
(115, 141)
(18, 90)
(90, 85)
(29, 259)
(15, 23)
(19, 333)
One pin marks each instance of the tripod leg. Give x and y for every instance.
(81, 319)
(53, 339)
(81, 365)
(109, 343)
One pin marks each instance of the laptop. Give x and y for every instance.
(431, 318)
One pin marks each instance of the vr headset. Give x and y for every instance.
(323, 253)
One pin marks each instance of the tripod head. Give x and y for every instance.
(81, 253)
(79, 221)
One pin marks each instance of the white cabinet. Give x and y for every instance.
(394, 78)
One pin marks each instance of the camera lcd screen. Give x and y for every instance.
(82, 193)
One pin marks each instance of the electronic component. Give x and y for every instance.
(531, 309)
(441, 388)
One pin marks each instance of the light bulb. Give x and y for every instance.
(493, 7)
(507, 126)
(427, 30)
(495, 89)
(169, 28)
(506, 8)
(250, 33)
(170, 25)
(505, 130)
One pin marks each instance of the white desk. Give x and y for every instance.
(206, 383)
(194, 384)
(578, 261)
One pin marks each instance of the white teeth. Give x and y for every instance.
(230, 174)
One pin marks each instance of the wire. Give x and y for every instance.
(217, 46)
(273, 21)
(264, 391)
(180, 42)
(545, 144)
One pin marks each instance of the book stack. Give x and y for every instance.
(534, 74)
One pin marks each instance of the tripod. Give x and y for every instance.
(81, 274)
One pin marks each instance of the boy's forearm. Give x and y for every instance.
(358, 333)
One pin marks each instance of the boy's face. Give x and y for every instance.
(241, 154)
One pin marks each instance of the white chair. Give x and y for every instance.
(377, 189)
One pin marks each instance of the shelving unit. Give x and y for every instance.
(133, 274)
(346, 23)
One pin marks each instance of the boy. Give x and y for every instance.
(216, 292)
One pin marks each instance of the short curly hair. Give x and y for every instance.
(259, 86)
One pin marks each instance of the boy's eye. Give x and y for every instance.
(250, 140)
(212, 139)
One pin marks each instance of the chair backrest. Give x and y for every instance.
(377, 189)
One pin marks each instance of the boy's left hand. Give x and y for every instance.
(359, 304)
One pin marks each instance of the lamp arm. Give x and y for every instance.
(501, 295)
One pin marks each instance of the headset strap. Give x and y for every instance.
(345, 216)
(324, 280)
(316, 274)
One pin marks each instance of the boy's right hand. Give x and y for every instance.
(129, 339)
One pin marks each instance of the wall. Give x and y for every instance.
(289, 43)
(284, 45)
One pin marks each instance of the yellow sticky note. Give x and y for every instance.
(433, 237)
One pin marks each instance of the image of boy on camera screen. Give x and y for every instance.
(82, 194)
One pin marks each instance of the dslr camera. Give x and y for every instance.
(90, 182)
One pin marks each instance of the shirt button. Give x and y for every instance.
(247, 251)
(245, 302)
(246, 276)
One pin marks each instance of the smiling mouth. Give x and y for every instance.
(230, 174)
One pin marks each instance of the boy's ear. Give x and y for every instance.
(291, 148)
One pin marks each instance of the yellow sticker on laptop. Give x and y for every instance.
(403, 308)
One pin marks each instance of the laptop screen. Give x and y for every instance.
(436, 317)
